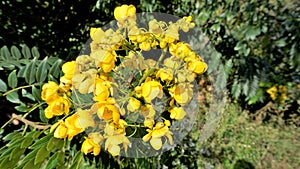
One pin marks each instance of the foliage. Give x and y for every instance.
(257, 42)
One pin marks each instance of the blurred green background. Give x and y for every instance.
(258, 44)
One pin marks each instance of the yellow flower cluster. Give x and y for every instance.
(278, 93)
(121, 86)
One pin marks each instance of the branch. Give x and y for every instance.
(30, 123)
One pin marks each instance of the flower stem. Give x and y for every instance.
(18, 88)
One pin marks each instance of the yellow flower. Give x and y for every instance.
(146, 45)
(151, 89)
(85, 81)
(180, 50)
(105, 59)
(97, 34)
(61, 130)
(58, 107)
(171, 34)
(197, 66)
(85, 118)
(148, 111)
(177, 113)
(149, 123)
(92, 144)
(272, 92)
(102, 90)
(68, 68)
(133, 104)
(50, 91)
(161, 129)
(185, 75)
(172, 62)
(112, 144)
(73, 125)
(123, 12)
(182, 93)
(106, 112)
(165, 74)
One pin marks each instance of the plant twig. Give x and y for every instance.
(30, 123)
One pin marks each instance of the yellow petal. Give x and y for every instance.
(156, 143)
(147, 137)
(114, 150)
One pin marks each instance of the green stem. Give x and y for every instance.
(21, 87)
(152, 69)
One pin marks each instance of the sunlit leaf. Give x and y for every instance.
(3, 86)
(26, 52)
(12, 79)
(41, 73)
(15, 52)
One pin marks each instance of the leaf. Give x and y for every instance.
(246, 87)
(41, 155)
(42, 115)
(251, 33)
(22, 108)
(61, 158)
(30, 72)
(41, 142)
(52, 162)
(41, 73)
(236, 89)
(13, 97)
(77, 160)
(3, 86)
(55, 143)
(36, 93)
(21, 72)
(12, 135)
(214, 62)
(221, 79)
(26, 142)
(16, 153)
(12, 79)
(15, 52)
(26, 52)
(5, 54)
(28, 157)
(32, 165)
(27, 95)
(35, 52)
(55, 68)
(6, 163)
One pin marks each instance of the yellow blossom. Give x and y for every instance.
(133, 104)
(102, 90)
(165, 74)
(171, 34)
(197, 66)
(151, 89)
(272, 92)
(182, 93)
(105, 59)
(73, 125)
(85, 118)
(123, 12)
(92, 144)
(61, 130)
(161, 129)
(50, 91)
(96, 34)
(112, 143)
(58, 107)
(85, 81)
(68, 68)
(177, 113)
(106, 112)
(148, 111)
